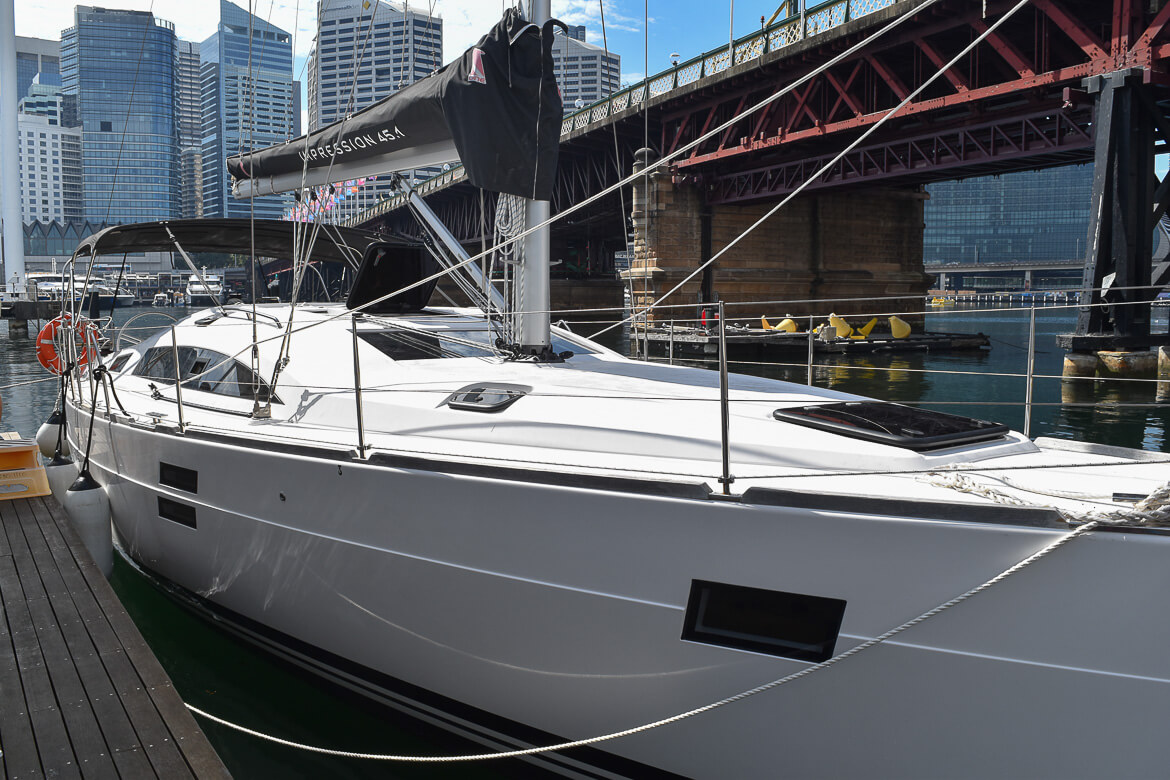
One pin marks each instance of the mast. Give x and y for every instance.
(532, 289)
(10, 152)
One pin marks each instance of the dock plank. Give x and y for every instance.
(81, 694)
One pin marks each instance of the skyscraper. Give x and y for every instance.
(247, 103)
(365, 52)
(363, 55)
(50, 170)
(33, 56)
(120, 65)
(584, 71)
(189, 122)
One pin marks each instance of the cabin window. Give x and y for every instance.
(789, 625)
(900, 426)
(411, 344)
(120, 362)
(205, 370)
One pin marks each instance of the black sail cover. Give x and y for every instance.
(498, 103)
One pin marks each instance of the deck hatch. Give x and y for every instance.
(893, 424)
(789, 625)
(178, 477)
(176, 512)
(486, 397)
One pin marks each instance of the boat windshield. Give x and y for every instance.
(412, 344)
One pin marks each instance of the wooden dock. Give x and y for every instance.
(81, 694)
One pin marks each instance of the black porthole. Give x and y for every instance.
(789, 625)
(178, 477)
(176, 512)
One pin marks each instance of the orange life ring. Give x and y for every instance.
(85, 334)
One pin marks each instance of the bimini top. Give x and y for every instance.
(269, 238)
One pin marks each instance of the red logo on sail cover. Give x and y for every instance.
(476, 73)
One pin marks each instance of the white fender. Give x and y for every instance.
(47, 435)
(88, 507)
(62, 472)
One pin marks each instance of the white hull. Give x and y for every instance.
(561, 608)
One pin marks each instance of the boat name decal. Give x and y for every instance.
(352, 144)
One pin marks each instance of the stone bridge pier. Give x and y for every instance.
(839, 252)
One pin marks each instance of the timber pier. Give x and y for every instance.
(81, 693)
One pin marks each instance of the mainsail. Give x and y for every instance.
(497, 109)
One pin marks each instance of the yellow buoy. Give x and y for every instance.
(899, 327)
(787, 325)
(844, 329)
(864, 330)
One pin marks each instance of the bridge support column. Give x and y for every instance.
(827, 252)
(1115, 291)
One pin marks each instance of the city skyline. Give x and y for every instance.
(671, 27)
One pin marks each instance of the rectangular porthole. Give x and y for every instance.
(176, 512)
(178, 477)
(789, 625)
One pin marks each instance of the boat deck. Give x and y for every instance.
(81, 693)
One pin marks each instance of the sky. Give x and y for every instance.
(689, 27)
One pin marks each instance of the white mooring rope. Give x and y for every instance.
(1163, 494)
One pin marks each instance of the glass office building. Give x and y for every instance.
(120, 65)
(35, 56)
(1026, 217)
(248, 103)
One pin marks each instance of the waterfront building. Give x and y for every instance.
(365, 52)
(35, 56)
(45, 98)
(50, 170)
(189, 124)
(48, 245)
(247, 103)
(120, 67)
(585, 72)
(1015, 218)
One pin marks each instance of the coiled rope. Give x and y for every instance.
(1047, 550)
(1153, 510)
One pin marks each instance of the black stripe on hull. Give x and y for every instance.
(461, 719)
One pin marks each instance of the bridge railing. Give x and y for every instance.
(779, 35)
(786, 32)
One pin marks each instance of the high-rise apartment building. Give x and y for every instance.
(363, 55)
(247, 103)
(366, 51)
(189, 123)
(50, 170)
(585, 73)
(33, 56)
(120, 66)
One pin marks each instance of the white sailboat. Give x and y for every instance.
(515, 533)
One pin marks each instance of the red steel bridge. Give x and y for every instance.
(1062, 81)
